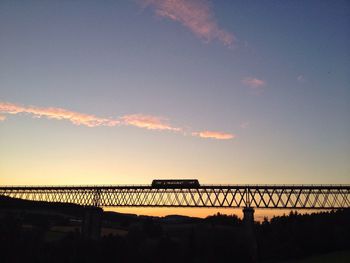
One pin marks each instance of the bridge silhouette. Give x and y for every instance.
(205, 196)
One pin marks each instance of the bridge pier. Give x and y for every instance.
(91, 225)
(248, 222)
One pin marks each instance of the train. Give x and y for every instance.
(175, 183)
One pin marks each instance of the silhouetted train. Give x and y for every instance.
(187, 183)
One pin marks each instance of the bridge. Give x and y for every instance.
(182, 195)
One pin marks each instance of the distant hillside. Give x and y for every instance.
(21, 204)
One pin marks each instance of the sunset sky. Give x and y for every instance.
(123, 92)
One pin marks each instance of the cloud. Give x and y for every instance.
(59, 114)
(244, 125)
(214, 135)
(253, 82)
(196, 15)
(301, 78)
(148, 122)
(142, 121)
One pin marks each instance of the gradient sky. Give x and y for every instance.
(123, 92)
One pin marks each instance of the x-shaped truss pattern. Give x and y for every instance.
(295, 197)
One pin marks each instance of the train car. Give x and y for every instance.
(174, 183)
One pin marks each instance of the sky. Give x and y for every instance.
(124, 92)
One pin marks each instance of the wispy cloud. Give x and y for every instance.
(214, 135)
(58, 114)
(148, 122)
(253, 82)
(196, 15)
(255, 85)
(301, 78)
(244, 125)
(137, 120)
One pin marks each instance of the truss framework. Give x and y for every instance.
(223, 196)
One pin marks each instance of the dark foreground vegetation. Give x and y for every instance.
(45, 232)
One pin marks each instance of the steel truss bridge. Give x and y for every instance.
(206, 196)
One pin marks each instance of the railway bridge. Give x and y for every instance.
(189, 193)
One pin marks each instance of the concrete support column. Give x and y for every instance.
(248, 216)
(248, 221)
(91, 228)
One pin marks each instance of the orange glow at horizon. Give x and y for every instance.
(259, 214)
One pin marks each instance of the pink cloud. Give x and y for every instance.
(58, 114)
(214, 135)
(147, 122)
(244, 125)
(196, 15)
(301, 78)
(253, 82)
(137, 120)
